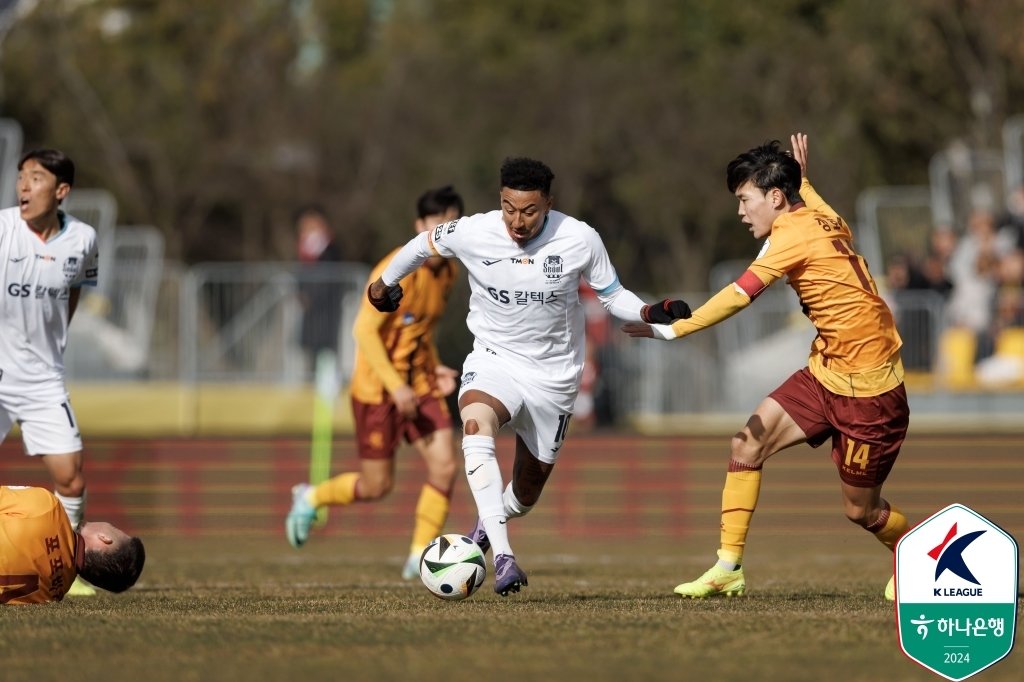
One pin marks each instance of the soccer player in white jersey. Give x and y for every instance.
(45, 258)
(525, 262)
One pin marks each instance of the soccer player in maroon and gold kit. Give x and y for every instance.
(40, 553)
(398, 391)
(852, 388)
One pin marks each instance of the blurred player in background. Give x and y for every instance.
(525, 264)
(46, 256)
(852, 389)
(398, 391)
(41, 552)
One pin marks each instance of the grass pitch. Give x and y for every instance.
(337, 610)
(623, 520)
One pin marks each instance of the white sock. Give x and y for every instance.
(74, 507)
(484, 478)
(513, 507)
(726, 563)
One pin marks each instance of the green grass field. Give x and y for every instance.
(236, 603)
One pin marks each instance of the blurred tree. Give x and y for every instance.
(214, 120)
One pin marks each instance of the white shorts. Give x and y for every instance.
(539, 417)
(43, 410)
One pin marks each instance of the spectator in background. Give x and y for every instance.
(1010, 300)
(974, 270)
(319, 296)
(1006, 364)
(935, 268)
(1012, 221)
(904, 282)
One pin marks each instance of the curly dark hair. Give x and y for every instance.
(527, 175)
(117, 569)
(768, 167)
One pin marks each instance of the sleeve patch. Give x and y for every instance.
(751, 285)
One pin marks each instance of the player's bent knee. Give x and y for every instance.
(73, 486)
(374, 489)
(745, 450)
(858, 515)
(479, 419)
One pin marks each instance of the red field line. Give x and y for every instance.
(603, 485)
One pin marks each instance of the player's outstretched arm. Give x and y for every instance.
(726, 303)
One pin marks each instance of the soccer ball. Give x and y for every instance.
(452, 566)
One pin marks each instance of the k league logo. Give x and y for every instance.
(956, 592)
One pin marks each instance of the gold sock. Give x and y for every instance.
(890, 525)
(340, 490)
(739, 498)
(431, 513)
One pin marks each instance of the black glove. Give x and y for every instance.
(665, 312)
(389, 302)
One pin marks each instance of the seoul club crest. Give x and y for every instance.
(553, 267)
(70, 268)
(956, 592)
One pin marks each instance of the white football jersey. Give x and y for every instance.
(37, 278)
(524, 302)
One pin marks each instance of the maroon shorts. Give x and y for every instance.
(866, 432)
(378, 427)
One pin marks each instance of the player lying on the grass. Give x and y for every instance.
(525, 264)
(852, 388)
(398, 391)
(41, 553)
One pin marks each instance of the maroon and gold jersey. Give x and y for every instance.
(398, 348)
(38, 547)
(856, 351)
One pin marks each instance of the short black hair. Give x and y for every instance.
(526, 175)
(768, 167)
(53, 160)
(117, 569)
(438, 201)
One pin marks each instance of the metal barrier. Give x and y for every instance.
(1013, 152)
(961, 179)
(241, 321)
(10, 153)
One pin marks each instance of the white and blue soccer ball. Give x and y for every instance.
(452, 566)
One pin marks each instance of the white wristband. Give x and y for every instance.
(665, 332)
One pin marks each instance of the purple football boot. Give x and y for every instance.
(508, 577)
